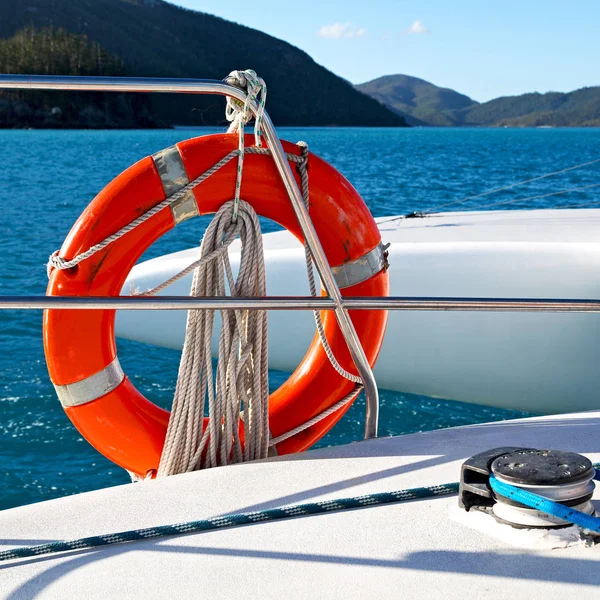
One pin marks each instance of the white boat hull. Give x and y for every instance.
(542, 363)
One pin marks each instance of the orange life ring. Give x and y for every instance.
(80, 345)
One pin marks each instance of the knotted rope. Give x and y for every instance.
(239, 115)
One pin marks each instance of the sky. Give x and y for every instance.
(483, 48)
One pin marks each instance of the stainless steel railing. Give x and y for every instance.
(334, 301)
(300, 303)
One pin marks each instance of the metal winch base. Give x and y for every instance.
(563, 477)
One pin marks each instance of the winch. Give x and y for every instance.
(555, 475)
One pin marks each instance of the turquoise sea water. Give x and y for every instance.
(48, 177)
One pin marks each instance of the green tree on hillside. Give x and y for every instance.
(50, 51)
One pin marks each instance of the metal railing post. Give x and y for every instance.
(343, 318)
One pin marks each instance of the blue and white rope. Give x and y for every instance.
(566, 513)
(299, 510)
(234, 520)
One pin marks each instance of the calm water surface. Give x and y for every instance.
(48, 177)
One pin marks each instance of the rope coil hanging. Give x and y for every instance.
(241, 386)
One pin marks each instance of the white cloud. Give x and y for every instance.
(417, 27)
(338, 31)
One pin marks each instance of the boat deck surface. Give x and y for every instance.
(419, 549)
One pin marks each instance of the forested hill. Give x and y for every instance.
(154, 38)
(580, 108)
(417, 100)
(50, 51)
(423, 103)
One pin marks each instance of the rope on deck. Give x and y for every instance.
(237, 519)
(233, 520)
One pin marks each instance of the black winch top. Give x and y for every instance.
(528, 466)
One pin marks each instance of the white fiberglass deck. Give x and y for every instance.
(542, 363)
(411, 550)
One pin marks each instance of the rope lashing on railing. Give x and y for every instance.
(239, 115)
(233, 520)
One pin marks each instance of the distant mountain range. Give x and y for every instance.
(419, 101)
(155, 38)
(423, 103)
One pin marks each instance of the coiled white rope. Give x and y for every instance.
(241, 386)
